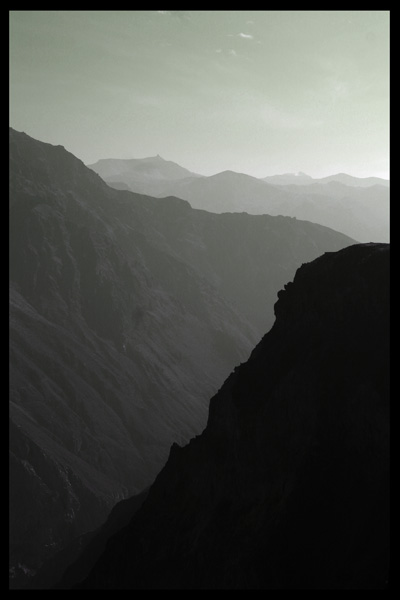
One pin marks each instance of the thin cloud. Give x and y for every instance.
(232, 52)
(164, 12)
(247, 36)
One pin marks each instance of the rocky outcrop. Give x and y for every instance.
(288, 485)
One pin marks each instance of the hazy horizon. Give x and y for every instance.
(257, 92)
(296, 173)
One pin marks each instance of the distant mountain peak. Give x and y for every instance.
(344, 178)
(353, 181)
(230, 173)
(133, 170)
(288, 178)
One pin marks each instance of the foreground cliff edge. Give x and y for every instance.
(288, 486)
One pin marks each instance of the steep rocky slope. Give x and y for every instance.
(126, 315)
(288, 485)
(63, 569)
(110, 337)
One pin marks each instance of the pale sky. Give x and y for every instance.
(258, 92)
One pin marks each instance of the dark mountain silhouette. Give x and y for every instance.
(354, 206)
(109, 338)
(287, 487)
(126, 315)
(88, 547)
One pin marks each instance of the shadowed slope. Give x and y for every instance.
(287, 487)
(126, 315)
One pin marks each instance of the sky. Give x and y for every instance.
(258, 92)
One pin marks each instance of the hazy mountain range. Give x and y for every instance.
(288, 485)
(304, 179)
(358, 207)
(127, 313)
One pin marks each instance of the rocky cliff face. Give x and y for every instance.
(126, 315)
(287, 487)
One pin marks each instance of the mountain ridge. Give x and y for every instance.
(146, 168)
(300, 178)
(358, 208)
(344, 178)
(288, 485)
(127, 313)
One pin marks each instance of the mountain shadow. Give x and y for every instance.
(288, 485)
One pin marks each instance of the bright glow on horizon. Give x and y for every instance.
(257, 92)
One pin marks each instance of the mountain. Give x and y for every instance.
(363, 213)
(153, 167)
(88, 547)
(358, 208)
(288, 485)
(303, 179)
(127, 313)
(355, 181)
(224, 192)
(229, 192)
(115, 346)
(142, 175)
(289, 178)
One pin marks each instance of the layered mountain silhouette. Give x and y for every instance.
(289, 178)
(142, 175)
(288, 485)
(304, 179)
(127, 313)
(358, 207)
